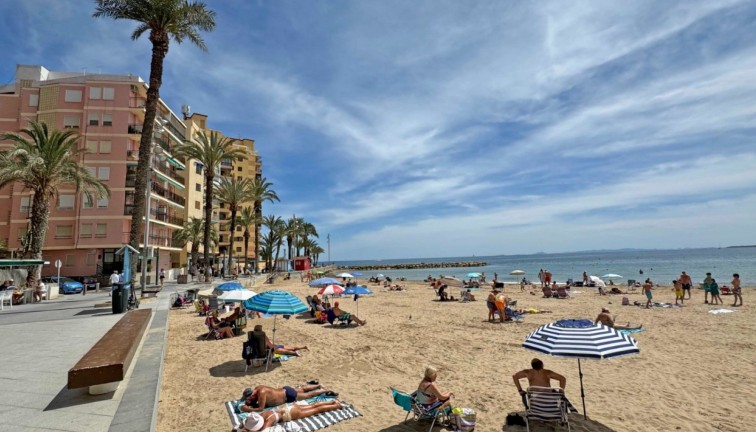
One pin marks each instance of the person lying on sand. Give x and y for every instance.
(262, 397)
(257, 422)
(345, 316)
(605, 319)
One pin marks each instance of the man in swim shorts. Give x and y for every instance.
(262, 397)
(686, 282)
(707, 287)
(736, 290)
(647, 287)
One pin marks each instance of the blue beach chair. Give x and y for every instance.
(408, 403)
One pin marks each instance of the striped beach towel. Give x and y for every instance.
(307, 424)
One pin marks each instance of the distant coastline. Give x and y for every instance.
(743, 246)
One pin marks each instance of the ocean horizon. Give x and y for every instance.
(661, 265)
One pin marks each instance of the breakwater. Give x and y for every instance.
(415, 266)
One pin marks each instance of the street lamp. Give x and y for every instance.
(155, 150)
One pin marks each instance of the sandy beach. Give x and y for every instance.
(694, 373)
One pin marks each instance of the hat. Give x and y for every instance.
(604, 310)
(258, 328)
(254, 421)
(246, 393)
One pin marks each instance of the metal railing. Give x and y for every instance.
(163, 242)
(135, 129)
(165, 193)
(167, 171)
(165, 217)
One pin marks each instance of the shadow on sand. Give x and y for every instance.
(235, 368)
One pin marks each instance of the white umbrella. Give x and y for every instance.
(598, 281)
(517, 272)
(452, 281)
(612, 276)
(344, 275)
(237, 296)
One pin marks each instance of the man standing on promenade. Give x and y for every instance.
(686, 282)
(537, 377)
(707, 287)
(114, 279)
(647, 287)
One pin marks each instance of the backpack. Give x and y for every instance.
(462, 419)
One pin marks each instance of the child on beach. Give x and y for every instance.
(714, 288)
(679, 292)
(647, 287)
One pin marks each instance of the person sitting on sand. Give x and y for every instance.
(468, 296)
(605, 319)
(538, 376)
(262, 397)
(258, 422)
(442, 295)
(428, 393)
(346, 316)
(231, 319)
(221, 327)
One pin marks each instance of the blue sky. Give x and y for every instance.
(446, 128)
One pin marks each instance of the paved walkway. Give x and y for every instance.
(40, 342)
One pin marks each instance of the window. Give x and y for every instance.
(94, 119)
(102, 230)
(25, 204)
(71, 122)
(87, 202)
(108, 93)
(105, 146)
(197, 205)
(103, 202)
(197, 168)
(107, 119)
(69, 260)
(95, 93)
(198, 187)
(34, 99)
(63, 231)
(91, 146)
(91, 170)
(239, 169)
(90, 259)
(65, 202)
(86, 230)
(73, 96)
(103, 173)
(238, 249)
(239, 177)
(238, 228)
(222, 205)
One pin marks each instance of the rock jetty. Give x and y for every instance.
(421, 265)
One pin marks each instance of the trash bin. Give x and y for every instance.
(120, 297)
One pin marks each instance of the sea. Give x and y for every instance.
(662, 266)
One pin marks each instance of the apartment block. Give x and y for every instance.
(108, 113)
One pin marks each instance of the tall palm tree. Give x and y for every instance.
(307, 231)
(247, 219)
(209, 150)
(192, 232)
(316, 251)
(293, 228)
(261, 191)
(165, 20)
(45, 162)
(273, 224)
(234, 192)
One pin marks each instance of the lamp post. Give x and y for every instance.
(155, 150)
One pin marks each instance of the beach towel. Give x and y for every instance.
(308, 424)
(721, 311)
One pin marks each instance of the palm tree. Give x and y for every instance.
(164, 19)
(308, 230)
(46, 162)
(234, 193)
(210, 150)
(246, 219)
(316, 251)
(293, 228)
(261, 190)
(273, 223)
(192, 232)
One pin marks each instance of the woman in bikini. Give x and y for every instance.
(428, 393)
(259, 421)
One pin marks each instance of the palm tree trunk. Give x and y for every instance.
(159, 50)
(278, 249)
(194, 251)
(231, 240)
(209, 175)
(246, 246)
(40, 213)
(258, 212)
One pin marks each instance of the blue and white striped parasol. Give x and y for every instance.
(580, 339)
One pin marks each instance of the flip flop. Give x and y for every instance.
(331, 393)
(313, 382)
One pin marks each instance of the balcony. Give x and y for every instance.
(135, 129)
(168, 172)
(137, 102)
(132, 155)
(156, 214)
(165, 193)
(130, 180)
(163, 242)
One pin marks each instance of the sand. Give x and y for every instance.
(694, 373)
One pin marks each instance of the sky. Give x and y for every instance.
(446, 128)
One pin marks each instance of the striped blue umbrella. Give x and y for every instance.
(323, 282)
(275, 303)
(580, 339)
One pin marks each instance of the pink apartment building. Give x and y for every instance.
(108, 112)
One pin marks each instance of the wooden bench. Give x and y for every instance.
(104, 366)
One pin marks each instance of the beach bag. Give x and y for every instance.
(625, 301)
(462, 419)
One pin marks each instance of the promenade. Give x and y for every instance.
(42, 341)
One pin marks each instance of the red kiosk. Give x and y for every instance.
(301, 263)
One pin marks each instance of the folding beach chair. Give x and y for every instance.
(562, 293)
(547, 292)
(254, 349)
(408, 402)
(546, 404)
(211, 331)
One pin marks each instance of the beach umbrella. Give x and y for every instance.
(517, 273)
(331, 290)
(612, 276)
(473, 275)
(323, 282)
(580, 339)
(344, 275)
(275, 303)
(598, 281)
(452, 281)
(237, 296)
(229, 286)
(357, 291)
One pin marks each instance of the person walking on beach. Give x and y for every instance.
(677, 287)
(647, 287)
(715, 298)
(541, 277)
(707, 287)
(736, 291)
(686, 282)
(585, 279)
